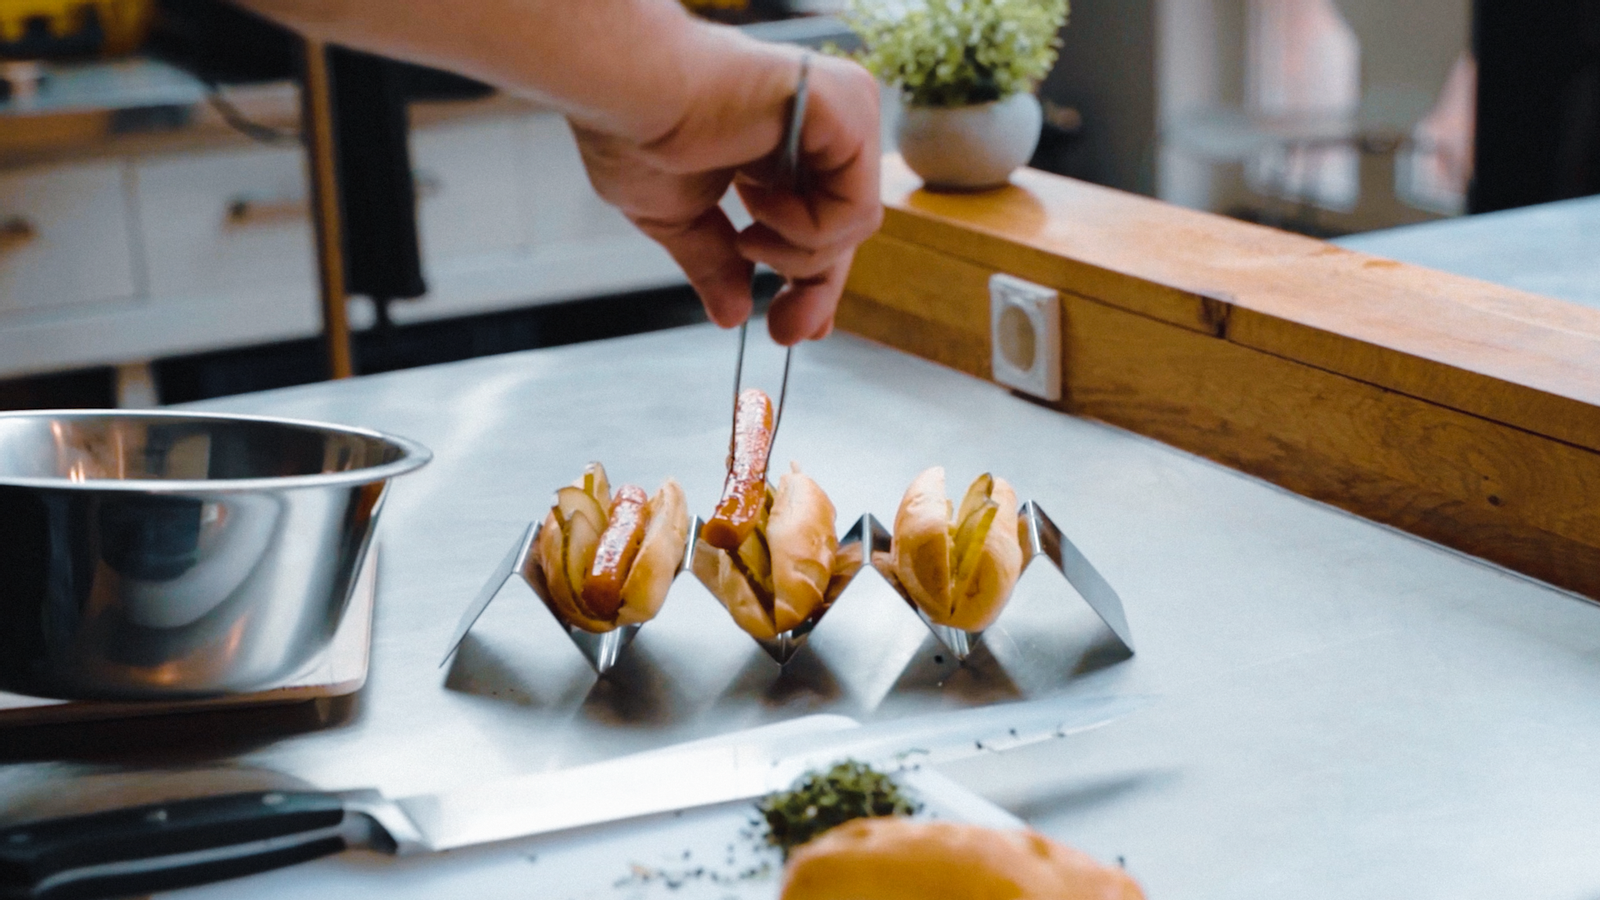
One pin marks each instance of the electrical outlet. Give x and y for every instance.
(1025, 335)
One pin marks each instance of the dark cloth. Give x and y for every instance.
(377, 191)
(1538, 120)
(222, 44)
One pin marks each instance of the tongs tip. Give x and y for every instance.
(789, 166)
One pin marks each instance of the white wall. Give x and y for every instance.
(1407, 50)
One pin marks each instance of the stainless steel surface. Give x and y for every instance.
(790, 159)
(1345, 711)
(1041, 538)
(706, 773)
(710, 853)
(149, 555)
(121, 848)
(601, 650)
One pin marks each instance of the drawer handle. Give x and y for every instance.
(246, 210)
(243, 211)
(16, 231)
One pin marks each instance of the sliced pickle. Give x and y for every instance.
(553, 549)
(756, 558)
(583, 539)
(981, 489)
(969, 539)
(572, 503)
(596, 486)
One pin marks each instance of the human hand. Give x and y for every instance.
(738, 97)
(669, 112)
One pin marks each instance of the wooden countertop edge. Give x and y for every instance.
(1453, 409)
(1491, 351)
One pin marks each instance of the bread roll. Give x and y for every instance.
(797, 541)
(926, 557)
(558, 554)
(901, 859)
(800, 536)
(659, 556)
(921, 543)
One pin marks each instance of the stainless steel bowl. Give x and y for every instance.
(156, 554)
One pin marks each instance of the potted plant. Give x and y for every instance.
(965, 71)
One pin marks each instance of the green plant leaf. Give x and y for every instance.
(958, 52)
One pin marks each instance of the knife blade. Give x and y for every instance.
(196, 841)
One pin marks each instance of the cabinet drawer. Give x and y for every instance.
(235, 224)
(468, 202)
(562, 204)
(65, 238)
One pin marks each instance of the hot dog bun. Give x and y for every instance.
(780, 576)
(568, 539)
(959, 571)
(920, 547)
(659, 556)
(801, 539)
(715, 569)
(549, 551)
(900, 859)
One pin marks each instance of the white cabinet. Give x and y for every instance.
(508, 219)
(562, 205)
(164, 254)
(468, 203)
(65, 240)
(229, 227)
(220, 242)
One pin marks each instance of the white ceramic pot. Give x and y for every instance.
(970, 148)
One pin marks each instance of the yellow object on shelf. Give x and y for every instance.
(49, 29)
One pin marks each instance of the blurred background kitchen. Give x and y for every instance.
(159, 227)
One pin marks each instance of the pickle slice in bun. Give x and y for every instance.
(957, 564)
(786, 570)
(607, 560)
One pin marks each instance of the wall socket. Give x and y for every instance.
(1025, 335)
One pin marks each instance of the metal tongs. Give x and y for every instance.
(789, 172)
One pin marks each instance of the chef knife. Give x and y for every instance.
(196, 841)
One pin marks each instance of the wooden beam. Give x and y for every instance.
(316, 98)
(1479, 347)
(1461, 411)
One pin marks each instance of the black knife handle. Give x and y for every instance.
(169, 845)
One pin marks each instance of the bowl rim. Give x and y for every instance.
(413, 456)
